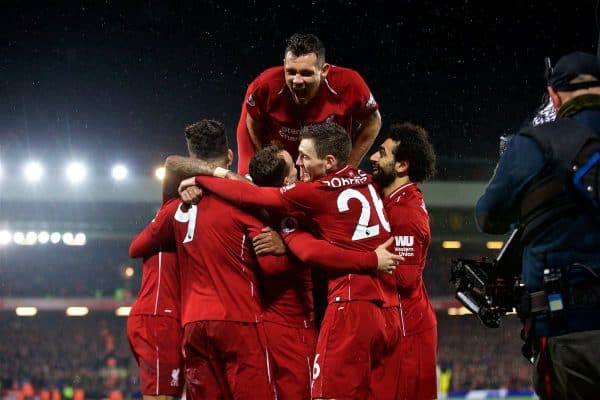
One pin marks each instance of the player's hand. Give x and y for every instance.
(386, 261)
(191, 195)
(186, 183)
(268, 243)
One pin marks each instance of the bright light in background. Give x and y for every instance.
(160, 173)
(451, 244)
(77, 311)
(55, 237)
(5, 237)
(76, 172)
(67, 237)
(26, 311)
(79, 239)
(122, 311)
(33, 171)
(18, 237)
(129, 271)
(43, 237)
(31, 238)
(494, 245)
(119, 172)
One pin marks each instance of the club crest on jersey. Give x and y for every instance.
(370, 104)
(250, 101)
(284, 189)
(331, 118)
(175, 377)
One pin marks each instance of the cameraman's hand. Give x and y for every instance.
(386, 261)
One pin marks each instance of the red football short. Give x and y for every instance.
(155, 342)
(417, 368)
(386, 373)
(351, 341)
(226, 360)
(292, 352)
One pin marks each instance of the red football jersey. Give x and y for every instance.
(218, 265)
(410, 227)
(343, 206)
(343, 97)
(160, 292)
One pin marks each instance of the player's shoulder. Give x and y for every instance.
(270, 79)
(342, 78)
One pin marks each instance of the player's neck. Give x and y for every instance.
(396, 183)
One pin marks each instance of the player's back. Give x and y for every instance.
(218, 266)
(346, 210)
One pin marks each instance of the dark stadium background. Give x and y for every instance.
(118, 81)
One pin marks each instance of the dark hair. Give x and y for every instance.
(267, 167)
(412, 145)
(329, 138)
(207, 139)
(305, 43)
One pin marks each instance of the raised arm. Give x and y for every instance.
(240, 193)
(178, 168)
(365, 137)
(157, 234)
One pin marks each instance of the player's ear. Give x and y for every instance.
(401, 167)
(325, 69)
(330, 162)
(229, 157)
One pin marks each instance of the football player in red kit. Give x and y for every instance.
(345, 209)
(403, 160)
(154, 323)
(305, 90)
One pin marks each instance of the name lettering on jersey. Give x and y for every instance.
(291, 134)
(250, 101)
(337, 182)
(370, 104)
(404, 245)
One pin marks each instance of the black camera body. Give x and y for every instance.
(490, 289)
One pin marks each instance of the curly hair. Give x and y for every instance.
(207, 139)
(305, 43)
(267, 167)
(412, 145)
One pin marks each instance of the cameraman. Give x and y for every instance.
(561, 255)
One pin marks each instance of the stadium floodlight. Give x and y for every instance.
(76, 172)
(18, 237)
(33, 171)
(43, 237)
(26, 311)
(30, 238)
(79, 239)
(55, 237)
(77, 311)
(5, 237)
(160, 173)
(67, 238)
(119, 172)
(122, 311)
